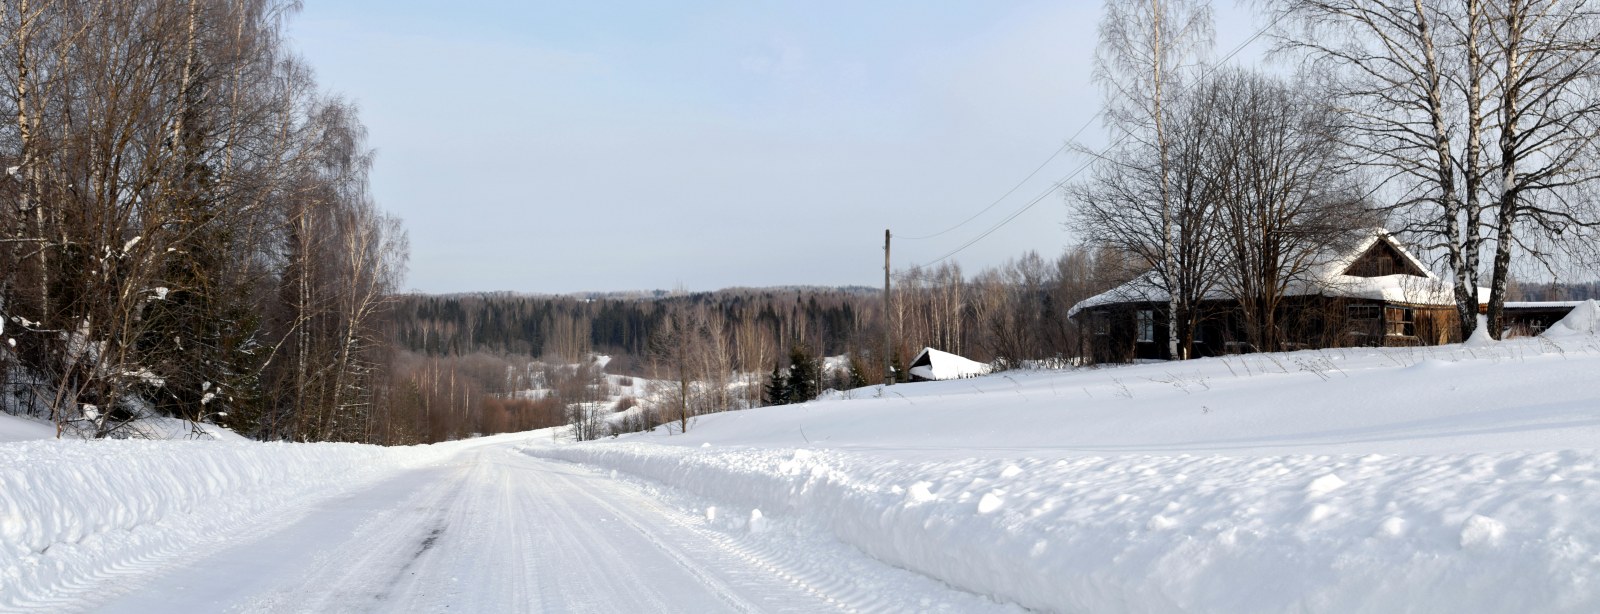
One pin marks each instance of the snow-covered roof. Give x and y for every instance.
(944, 365)
(1541, 304)
(1327, 277)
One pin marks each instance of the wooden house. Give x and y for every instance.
(1373, 293)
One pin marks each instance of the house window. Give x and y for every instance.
(1100, 322)
(1364, 322)
(1397, 322)
(1360, 313)
(1146, 323)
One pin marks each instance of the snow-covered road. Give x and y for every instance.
(497, 531)
(1454, 479)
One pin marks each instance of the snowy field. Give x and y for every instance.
(1450, 479)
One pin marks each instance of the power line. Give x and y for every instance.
(1064, 145)
(1070, 176)
(1007, 220)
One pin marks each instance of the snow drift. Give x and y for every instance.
(1584, 319)
(1418, 479)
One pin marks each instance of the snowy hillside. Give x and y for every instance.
(1459, 478)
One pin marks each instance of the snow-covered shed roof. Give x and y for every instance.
(1329, 276)
(933, 364)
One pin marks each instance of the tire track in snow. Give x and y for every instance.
(497, 531)
(838, 576)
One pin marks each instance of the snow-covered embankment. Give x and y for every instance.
(73, 514)
(1424, 480)
(1185, 533)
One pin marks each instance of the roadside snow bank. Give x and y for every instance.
(75, 513)
(1140, 533)
(1435, 479)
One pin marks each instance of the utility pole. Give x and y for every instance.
(888, 323)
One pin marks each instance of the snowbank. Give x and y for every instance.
(1416, 479)
(20, 428)
(74, 513)
(1186, 533)
(1584, 319)
(1480, 336)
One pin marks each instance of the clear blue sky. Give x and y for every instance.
(607, 145)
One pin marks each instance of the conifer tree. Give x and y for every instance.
(777, 390)
(804, 375)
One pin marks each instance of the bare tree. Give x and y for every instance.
(1284, 194)
(672, 348)
(1143, 46)
(1410, 74)
(1173, 238)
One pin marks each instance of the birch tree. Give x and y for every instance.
(1144, 46)
(1546, 66)
(171, 170)
(1409, 73)
(1172, 238)
(1482, 114)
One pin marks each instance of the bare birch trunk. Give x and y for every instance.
(1510, 114)
(1472, 170)
(1169, 258)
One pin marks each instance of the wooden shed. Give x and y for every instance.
(932, 365)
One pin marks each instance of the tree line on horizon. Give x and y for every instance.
(746, 347)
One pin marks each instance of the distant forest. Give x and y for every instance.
(1008, 313)
(829, 321)
(1555, 291)
(570, 327)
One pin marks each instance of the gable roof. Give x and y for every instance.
(933, 364)
(1384, 258)
(1328, 276)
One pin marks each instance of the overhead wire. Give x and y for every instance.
(1080, 168)
(1064, 145)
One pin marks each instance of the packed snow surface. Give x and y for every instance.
(1450, 479)
(158, 527)
(75, 513)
